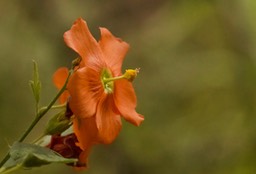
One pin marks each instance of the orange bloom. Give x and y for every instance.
(97, 88)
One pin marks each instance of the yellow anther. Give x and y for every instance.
(130, 74)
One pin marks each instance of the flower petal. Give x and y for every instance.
(64, 97)
(126, 101)
(86, 132)
(83, 160)
(81, 40)
(114, 50)
(85, 89)
(109, 123)
(87, 135)
(59, 78)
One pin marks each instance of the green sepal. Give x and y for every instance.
(35, 84)
(57, 124)
(29, 155)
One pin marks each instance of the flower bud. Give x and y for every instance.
(58, 124)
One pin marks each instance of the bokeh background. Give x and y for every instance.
(196, 88)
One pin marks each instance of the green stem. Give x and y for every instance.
(38, 117)
(44, 111)
(7, 156)
(55, 107)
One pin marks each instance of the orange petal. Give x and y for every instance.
(114, 50)
(126, 101)
(59, 78)
(108, 123)
(86, 132)
(83, 159)
(81, 40)
(85, 89)
(82, 163)
(64, 97)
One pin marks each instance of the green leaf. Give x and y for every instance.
(35, 84)
(30, 155)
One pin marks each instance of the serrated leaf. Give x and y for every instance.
(30, 155)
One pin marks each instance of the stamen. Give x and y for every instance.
(130, 74)
(108, 80)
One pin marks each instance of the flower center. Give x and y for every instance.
(107, 85)
(108, 80)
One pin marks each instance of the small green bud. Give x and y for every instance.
(35, 84)
(76, 62)
(57, 124)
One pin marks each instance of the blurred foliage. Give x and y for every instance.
(196, 88)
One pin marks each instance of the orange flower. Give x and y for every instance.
(99, 92)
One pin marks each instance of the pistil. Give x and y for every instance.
(108, 80)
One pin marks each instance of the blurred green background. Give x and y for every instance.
(196, 87)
